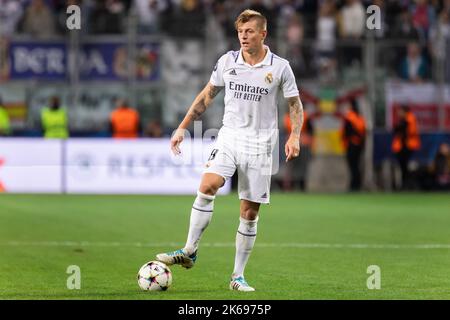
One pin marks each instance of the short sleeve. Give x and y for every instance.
(217, 74)
(288, 83)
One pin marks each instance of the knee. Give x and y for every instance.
(208, 188)
(211, 183)
(249, 213)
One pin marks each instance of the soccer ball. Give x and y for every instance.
(154, 276)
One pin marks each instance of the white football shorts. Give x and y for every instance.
(254, 171)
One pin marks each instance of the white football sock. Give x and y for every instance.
(245, 240)
(201, 215)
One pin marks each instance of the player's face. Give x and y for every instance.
(251, 36)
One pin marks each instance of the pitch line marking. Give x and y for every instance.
(226, 245)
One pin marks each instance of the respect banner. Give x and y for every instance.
(102, 166)
(144, 166)
(30, 165)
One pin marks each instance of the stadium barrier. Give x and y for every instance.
(110, 166)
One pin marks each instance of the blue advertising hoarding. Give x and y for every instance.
(106, 61)
(37, 60)
(109, 61)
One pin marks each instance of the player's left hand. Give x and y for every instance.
(292, 148)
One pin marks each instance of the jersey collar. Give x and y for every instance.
(267, 61)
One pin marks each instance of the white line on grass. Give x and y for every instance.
(226, 245)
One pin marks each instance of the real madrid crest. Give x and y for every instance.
(269, 78)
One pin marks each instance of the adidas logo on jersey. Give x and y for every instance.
(233, 72)
(264, 196)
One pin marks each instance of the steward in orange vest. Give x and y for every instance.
(354, 129)
(124, 121)
(405, 141)
(406, 134)
(353, 137)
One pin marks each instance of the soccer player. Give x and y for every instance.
(252, 77)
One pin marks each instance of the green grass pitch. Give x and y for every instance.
(309, 246)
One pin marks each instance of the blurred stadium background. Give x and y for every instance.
(157, 55)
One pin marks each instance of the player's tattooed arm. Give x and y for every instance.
(296, 115)
(292, 147)
(198, 107)
(213, 91)
(203, 101)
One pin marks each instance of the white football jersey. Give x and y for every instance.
(250, 120)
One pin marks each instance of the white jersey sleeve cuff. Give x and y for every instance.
(292, 94)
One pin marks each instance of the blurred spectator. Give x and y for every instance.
(107, 17)
(286, 8)
(220, 14)
(423, 16)
(39, 20)
(326, 39)
(188, 20)
(149, 12)
(261, 7)
(403, 27)
(4, 59)
(5, 128)
(308, 8)
(10, 13)
(441, 168)
(124, 121)
(440, 40)
(233, 9)
(414, 66)
(392, 9)
(215, 39)
(445, 6)
(294, 39)
(405, 142)
(297, 169)
(352, 20)
(354, 137)
(153, 129)
(294, 32)
(352, 24)
(54, 120)
(119, 6)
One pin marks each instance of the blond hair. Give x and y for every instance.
(248, 15)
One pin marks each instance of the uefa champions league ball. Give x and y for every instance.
(154, 276)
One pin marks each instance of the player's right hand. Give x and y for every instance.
(292, 148)
(176, 140)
